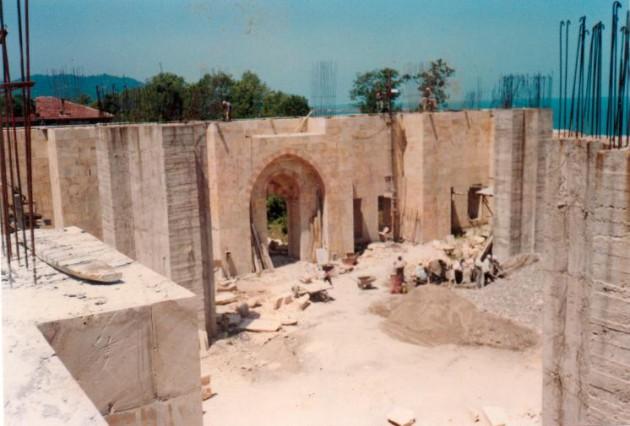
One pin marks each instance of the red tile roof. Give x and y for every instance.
(49, 108)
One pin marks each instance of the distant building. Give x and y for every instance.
(50, 110)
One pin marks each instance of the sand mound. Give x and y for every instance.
(432, 315)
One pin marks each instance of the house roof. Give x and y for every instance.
(56, 109)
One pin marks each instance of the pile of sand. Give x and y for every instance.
(432, 315)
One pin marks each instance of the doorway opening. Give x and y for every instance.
(278, 230)
(286, 213)
(384, 213)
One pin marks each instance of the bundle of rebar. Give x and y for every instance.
(16, 212)
(586, 112)
(523, 90)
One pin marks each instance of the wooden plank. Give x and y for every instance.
(92, 270)
(262, 250)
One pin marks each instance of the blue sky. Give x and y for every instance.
(281, 39)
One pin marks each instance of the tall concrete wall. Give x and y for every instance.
(148, 202)
(42, 191)
(148, 185)
(586, 261)
(519, 182)
(74, 178)
(445, 154)
(65, 179)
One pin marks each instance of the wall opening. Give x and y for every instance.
(278, 230)
(286, 213)
(474, 202)
(359, 223)
(456, 224)
(384, 213)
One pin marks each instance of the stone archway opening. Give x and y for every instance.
(287, 213)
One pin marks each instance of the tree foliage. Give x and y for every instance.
(367, 85)
(247, 96)
(205, 97)
(277, 213)
(435, 78)
(276, 104)
(165, 93)
(167, 97)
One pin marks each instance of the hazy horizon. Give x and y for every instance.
(281, 40)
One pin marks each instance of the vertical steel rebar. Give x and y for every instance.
(560, 85)
(11, 165)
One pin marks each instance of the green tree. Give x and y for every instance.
(280, 104)
(83, 99)
(110, 102)
(204, 97)
(164, 96)
(248, 95)
(366, 85)
(436, 79)
(18, 107)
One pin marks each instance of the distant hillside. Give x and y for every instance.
(70, 86)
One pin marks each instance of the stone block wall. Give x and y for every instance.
(586, 262)
(350, 155)
(149, 192)
(154, 371)
(520, 139)
(42, 191)
(65, 179)
(74, 178)
(127, 351)
(445, 154)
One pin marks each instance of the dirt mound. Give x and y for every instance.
(432, 315)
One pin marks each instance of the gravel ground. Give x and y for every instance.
(518, 297)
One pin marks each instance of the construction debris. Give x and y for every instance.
(364, 282)
(229, 285)
(206, 390)
(495, 416)
(401, 416)
(225, 298)
(260, 325)
(303, 302)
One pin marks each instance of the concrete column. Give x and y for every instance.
(114, 186)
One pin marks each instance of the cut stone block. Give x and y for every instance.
(205, 380)
(206, 393)
(175, 354)
(303, 302)
(401, 416)
(225, 298)
(261, 325)
(495, 416)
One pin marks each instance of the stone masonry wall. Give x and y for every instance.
(351, 156)
(74, 178)
(42, 192)
(149, 192)
(586, 262)
(445, 151)
(521, 136)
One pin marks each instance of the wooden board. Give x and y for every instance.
(62, 255)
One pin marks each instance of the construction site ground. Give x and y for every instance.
(339, 364)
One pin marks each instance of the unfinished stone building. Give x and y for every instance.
(139, 187)
(183, 199)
